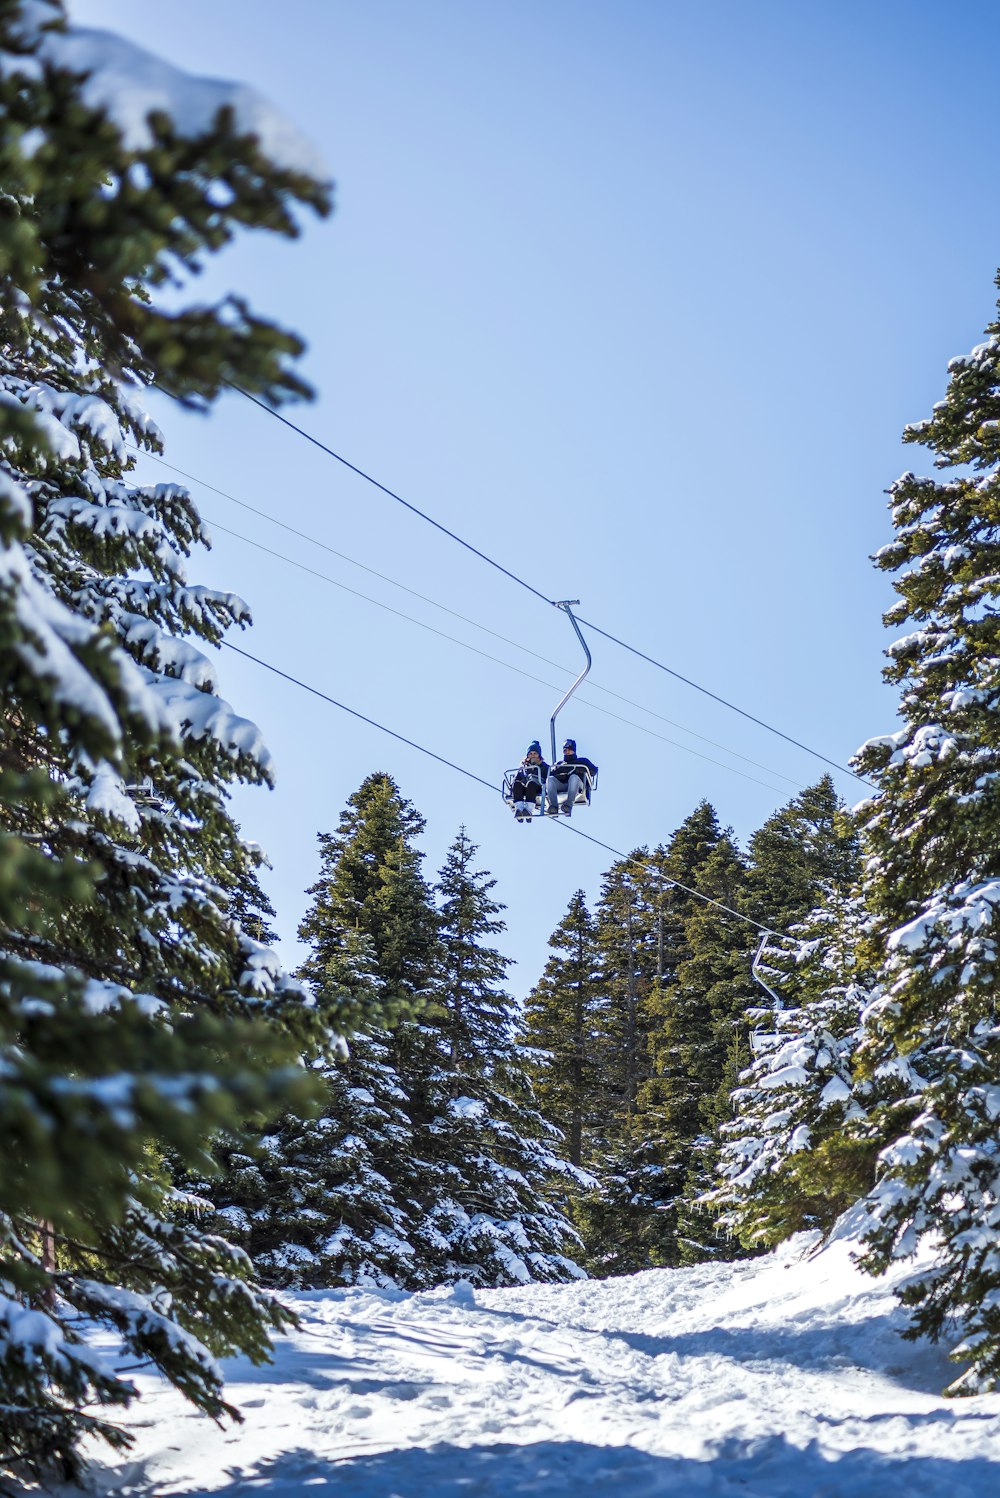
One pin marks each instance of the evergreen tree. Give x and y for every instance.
(696, 1032)
(647, 1175)
(561, 1033)
(249, 905)
(678, 865)
(477, 1022)
(428, 1161)
(801, 1148)
(698, 1049)
(370, 881)
(676, 981)
(633, 932)
(806, 848)
(493, 1215)
(630, 1222)
(336, 1200)
(933, 872)
(322, 1200)
(135, 1017)
(628, 932)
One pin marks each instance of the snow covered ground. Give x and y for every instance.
(784, 1376)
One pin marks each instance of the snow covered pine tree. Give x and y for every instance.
(334, 1200)
(429, 1162)
(800, 1150)
(685, 1061)
(803, 863)
(933, 872)
(494, 1214)
(135, 1016)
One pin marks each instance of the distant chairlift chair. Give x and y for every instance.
(590, 781)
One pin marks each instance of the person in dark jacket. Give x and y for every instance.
(572, 775)
(529, 781)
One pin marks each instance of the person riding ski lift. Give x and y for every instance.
(573, 775)
(529, 782)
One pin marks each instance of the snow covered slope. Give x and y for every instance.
(785, 1376)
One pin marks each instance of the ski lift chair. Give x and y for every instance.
(143, 793)
(583, 796)
(590, 781)
(508, 789)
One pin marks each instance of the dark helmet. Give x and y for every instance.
(570, 744)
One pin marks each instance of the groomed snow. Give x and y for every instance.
(785, 1377)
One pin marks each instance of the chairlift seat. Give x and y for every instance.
(510, 776)
(144, 794)
(589, 785)
(538, 807)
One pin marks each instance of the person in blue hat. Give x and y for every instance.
(570, 778)
(529, 782)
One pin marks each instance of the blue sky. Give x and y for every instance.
(636, 297)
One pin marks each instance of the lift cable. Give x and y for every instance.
(470, 775)
(308, 437)
(276, 670)
(391, 493)
(834, 764)
(454, 614)
(507, 666)
(342, 555)
(631, 858)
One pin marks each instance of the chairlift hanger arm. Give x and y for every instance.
(566, 605)
(758, 958)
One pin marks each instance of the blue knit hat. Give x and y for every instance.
(536, 746)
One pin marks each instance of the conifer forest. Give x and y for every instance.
(733, 1040)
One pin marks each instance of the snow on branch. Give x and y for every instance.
(129, 85)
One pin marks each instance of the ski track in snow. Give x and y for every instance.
(781, 1376)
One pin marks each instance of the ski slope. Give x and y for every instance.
(783, 1376)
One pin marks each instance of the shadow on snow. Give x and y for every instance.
(767, 1468)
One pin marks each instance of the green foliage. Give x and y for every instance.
(805, 851)
(470, 977)
(879, 1082)
(693, 1043)
(804, 1143)
(933, 874)
(714, 987)
(327, 1199)
(428, 1161)
(646, 1168)
(370, 881)
(89, 218)
(249, 905)
(629, 935)
(561, 1033)
(496, 1208)
(136, 1018)
(806, 847)
(332, 1199)
(666, 1036)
